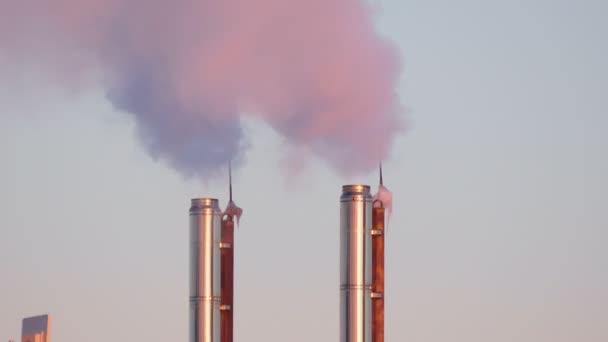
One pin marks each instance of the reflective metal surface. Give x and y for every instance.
(355, 263)
(205, 233)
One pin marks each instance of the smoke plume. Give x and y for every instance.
(188, 71)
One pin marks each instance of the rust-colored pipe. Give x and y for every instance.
(378, 273)
(227, 279)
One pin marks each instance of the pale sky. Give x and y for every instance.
(501, 214)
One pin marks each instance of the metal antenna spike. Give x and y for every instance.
(230, 179)
(381, 183)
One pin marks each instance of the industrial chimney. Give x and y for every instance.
(205, 271)
(355, 263)
(212, 268)
(362, 263)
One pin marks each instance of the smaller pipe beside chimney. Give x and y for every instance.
(227, 279)
(377, 272)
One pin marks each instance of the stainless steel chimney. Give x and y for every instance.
(205, 272)
(355, 263)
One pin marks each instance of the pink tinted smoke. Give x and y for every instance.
(314, 70)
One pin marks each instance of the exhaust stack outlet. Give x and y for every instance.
(205, 272)
(355, 263)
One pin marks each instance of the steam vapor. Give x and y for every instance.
(188, 71)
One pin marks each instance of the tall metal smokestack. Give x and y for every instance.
(355, 263)
(205, 233)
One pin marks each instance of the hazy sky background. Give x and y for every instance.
(501, 213)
